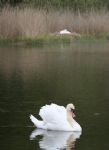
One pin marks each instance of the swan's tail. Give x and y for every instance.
(36, 122)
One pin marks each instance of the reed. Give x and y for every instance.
(29, 22)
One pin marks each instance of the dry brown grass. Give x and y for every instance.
(29, 22)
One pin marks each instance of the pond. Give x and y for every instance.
(31, 77)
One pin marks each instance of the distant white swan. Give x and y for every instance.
(52, 140)
(57, 117)
(65, 31)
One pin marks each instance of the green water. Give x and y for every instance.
(59, 73)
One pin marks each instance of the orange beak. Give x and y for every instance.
(73, 113)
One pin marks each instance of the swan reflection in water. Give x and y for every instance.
(53, 140)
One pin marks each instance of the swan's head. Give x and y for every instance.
(71, 109)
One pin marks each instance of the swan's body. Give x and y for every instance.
(65, 31)
(56, 118)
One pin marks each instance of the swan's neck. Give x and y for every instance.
(70, 118)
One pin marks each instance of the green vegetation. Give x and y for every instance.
(57, 4)
(30, 23)
(25, 21)
(45, 39)
(51, 39)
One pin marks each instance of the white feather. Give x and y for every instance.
(53, 113)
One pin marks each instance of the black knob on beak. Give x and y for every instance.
(73, 110)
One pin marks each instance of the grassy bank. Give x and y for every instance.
(25, 24)
(51, 39)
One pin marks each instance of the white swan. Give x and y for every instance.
(65, 31)
(52, 140)
(57, 117)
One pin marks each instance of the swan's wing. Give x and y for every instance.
(53, 114)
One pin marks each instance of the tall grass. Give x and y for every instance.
(28, 22)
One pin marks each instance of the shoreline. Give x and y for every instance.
(52, 39)
(31, 25)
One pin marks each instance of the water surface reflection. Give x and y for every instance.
(52, 140)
